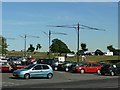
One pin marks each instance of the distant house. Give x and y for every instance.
(89, 53)
(109, 54)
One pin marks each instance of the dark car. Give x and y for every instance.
(66, 66)
(57, 65)
(43, 61)
(110, 69)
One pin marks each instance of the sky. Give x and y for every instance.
(32, 18)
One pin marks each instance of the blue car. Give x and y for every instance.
(34, 70)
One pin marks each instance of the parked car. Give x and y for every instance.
(103, 63)
(76, 64)
(66, 65)
(17, 66)
(88, 67)
(43, 61)
(110, 69)
(5, 67)
(57, 65)
(34, 70)
(14, 60)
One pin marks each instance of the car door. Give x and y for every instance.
(45, 70)
(94, 67)
(88, 67)
(36, 71)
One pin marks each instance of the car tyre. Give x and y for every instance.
(50, 75)
(66, 69)
(112, 73)
(27, 76)
(98, 71)
(56, 68)
(82, 71)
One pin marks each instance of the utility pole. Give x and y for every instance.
(25, 46)
(78, 29)
(25, 42)
(49, 36)
(49, 42)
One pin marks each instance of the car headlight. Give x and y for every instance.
(79, 67)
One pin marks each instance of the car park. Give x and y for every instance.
(34, 70)
(110, 69)
(87, 67)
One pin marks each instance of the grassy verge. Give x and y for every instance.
(45, 55)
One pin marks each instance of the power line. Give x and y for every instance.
(77, 27)
(25, 38)
(49, 36)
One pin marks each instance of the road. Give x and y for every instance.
(62, 80)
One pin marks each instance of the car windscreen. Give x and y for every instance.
(106, 65)
(29, 66)
(81, 64)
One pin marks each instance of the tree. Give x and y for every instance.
(3, 44)
(31, 48)
(38, 47)
(83, 47)
(59, 47)
(110, 48)
(98, 52)
(115, 51)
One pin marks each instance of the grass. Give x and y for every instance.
(44, 55)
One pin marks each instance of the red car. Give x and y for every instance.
(88, 67)
(15, 67)
(18, 66)
(5, 67)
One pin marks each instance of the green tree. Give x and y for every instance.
(31, 48)
(115, 51)
(98, 52)
(59, 47)
(110, 48)
(3, 44)
(38, 47)
(83, 47)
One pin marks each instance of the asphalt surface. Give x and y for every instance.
(62, 79)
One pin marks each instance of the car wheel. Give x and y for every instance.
(98, 71)
(82, 71)
(27, 76)
(50, 75)
(66, 69)
(112, 73)
(56, 68)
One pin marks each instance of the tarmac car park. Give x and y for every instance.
(11, 79)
